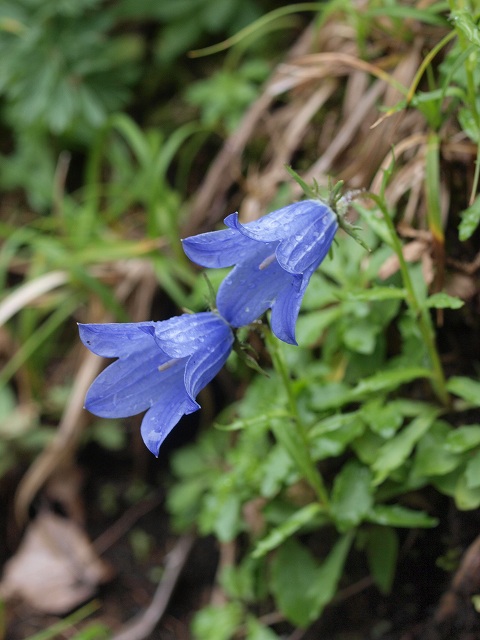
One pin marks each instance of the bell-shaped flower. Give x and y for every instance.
(161, 367)
(274, 259)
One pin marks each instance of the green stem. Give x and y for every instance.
(295, 441)
(419, 310)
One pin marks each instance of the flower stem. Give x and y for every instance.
(419, 310)
(295, 440)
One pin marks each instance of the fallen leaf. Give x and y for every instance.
(55, 568)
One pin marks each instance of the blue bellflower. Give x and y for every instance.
(274, 259)
(161, 368)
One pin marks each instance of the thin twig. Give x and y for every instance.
(142, 625)
(121, 526)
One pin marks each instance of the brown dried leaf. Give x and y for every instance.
(55, 568)
(412, 252)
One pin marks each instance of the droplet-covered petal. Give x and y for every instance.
(159, 421)
(184, 335)
(130, 385)
(251, 288)
(217, 249)
(309, 245)
(286, 307)
(281, 223)
(116, 339)
(207, 361)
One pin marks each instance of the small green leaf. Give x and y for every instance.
(331, 395)
(470, 220)
(433, 457)
(463, 438)
(384, 418)
(382, 554)
(221, 511)
(294, 570)
(465, 388)
(464, 22)
(238, 581)
(257, 631)
(398, 516)
(330, 437)
(351, 495)
(393, 453)
(278, 535)
(325, 584)
(361, 336)
(468, 123)
(466, 497)
(472, 472)
(217, 622)
(389, 380)
(444, 301)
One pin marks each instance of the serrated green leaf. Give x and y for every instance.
(466, 497)
(472, 472)
(465, 388)
(433, 457)
(384, 418)
(302, 588)
(463, 438)
(351, 496)
(329, 437)
(361, 336)
(278, 535)
(217, 622)
(221, 512)
(463, 21)
(469, 126)
(238, 581)
(398, 516)
(470, 220)
(324, 587)
(389, 380)
(393, 453)
(257, 631)
(294, 570)
(277, 469)
(444, 301)
(330, 395)
(382, 554)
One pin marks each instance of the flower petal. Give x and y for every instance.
(131, 385)
(248, 291)
(309, 245)
(116, 339)
(286, 307)
(159, 421)
(183, 335)
(279, 224)
(206, 362)
(217, 248)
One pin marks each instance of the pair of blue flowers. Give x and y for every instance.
(162, 366)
